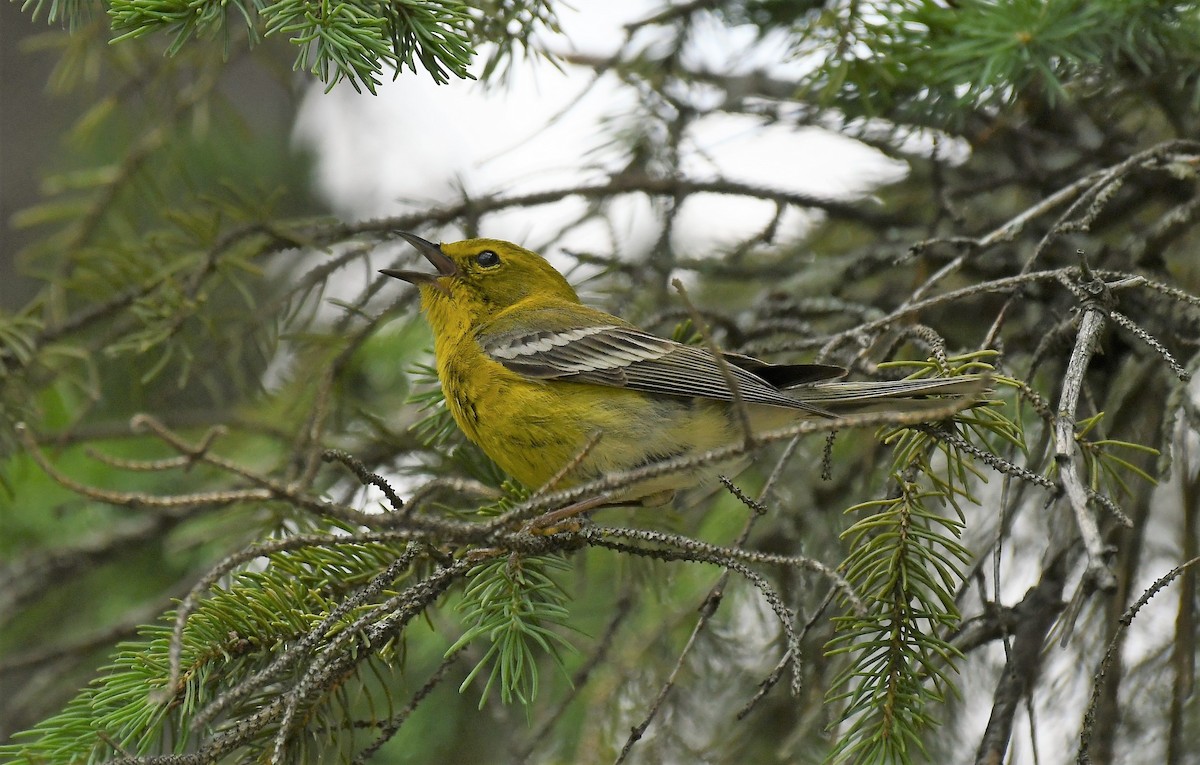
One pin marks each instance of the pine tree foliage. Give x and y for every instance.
(352, 41)
(239, 524)
(514, 606)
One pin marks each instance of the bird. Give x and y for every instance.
(558, 393)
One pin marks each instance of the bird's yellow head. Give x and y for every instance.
(476, 279)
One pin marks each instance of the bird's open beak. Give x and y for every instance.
(433, 253)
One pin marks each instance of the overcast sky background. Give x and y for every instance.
(418, 142)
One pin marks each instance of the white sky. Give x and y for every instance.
(419, 143)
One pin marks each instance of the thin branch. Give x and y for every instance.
(992, 460)
(782, 612)
(293, 652)
(1006, 284)
(715, 595)
(613, 482)
(1183, 648)
(739, 404)
(1125, 322)
(329, 667)
(131, 499)
(630, 183)
(1083, 756)
(1064, 447)
(394, 723)
(1036, 615)
(365, 476)
(461, 486)
(581, 676)
(719, 555)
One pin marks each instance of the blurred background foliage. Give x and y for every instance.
(163, 253)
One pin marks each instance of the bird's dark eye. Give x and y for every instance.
(487, 259)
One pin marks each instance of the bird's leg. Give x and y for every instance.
(564, 518)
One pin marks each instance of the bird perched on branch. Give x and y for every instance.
(550, 388)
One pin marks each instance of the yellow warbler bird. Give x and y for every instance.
(533, 376)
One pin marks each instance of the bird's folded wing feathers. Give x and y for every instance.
(593, 348)
(622, 356)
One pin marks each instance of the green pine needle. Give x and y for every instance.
(518, 610)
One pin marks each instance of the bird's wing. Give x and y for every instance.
(623, 356)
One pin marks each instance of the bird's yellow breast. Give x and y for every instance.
(534, 429)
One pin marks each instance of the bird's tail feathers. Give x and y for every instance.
(890, 395)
